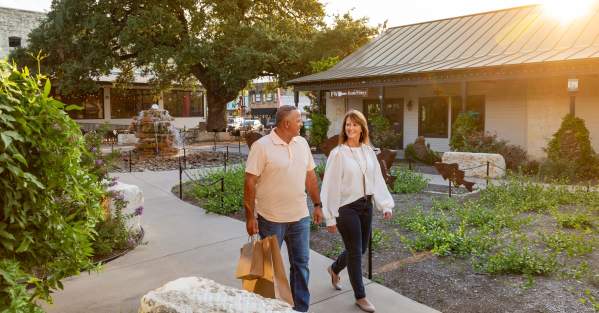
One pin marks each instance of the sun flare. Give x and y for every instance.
(567, 11)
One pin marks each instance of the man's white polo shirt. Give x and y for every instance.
(281, 169)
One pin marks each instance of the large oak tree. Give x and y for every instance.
(221, 43)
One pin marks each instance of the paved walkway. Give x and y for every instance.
(182, 240)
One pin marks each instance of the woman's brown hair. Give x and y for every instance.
(357, 117)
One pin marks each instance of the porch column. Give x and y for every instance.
(464, 95)
(296, 98)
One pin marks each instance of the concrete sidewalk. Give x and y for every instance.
(182, 240)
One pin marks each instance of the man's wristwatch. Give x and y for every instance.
(318, 204)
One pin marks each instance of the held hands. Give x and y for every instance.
(317, 215)
(251, 225)
(387, 215)
(332, 229)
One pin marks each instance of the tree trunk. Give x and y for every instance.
(217, 105)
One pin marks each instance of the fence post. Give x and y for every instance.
(184, 158)
(487, 173)
(370, 255)
(226, 157)
(239, 143)
(222, 193)
(129, 161)
(180, 180)
(214, 146)
(449, 187)
(409, 164)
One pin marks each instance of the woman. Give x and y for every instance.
(352, 180)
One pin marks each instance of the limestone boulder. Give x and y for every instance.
(134, 197)
(201, 295)
(475, 164)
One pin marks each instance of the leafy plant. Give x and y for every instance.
(50, 201)
(208, 189)
(113, 233)
(429, 157)
(518, 258)
(408, 181)
(381, 134)
(380, 239)
(464, 125)
(320, 128)
(569, 152)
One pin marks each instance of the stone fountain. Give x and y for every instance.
(156, 133)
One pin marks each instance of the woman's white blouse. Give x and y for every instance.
(343, 184)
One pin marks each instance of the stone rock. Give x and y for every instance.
(420, 148)
(126, 139)
(201, 295)
(135, 199)
(475, 164)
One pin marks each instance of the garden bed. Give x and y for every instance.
(198, 159)
(515, 248)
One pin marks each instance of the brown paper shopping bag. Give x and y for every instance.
(251, 264)
(273, 284)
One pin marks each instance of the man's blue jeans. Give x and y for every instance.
(297, 238)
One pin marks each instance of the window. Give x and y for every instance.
(92, 104)
(269, 97)
(433, 117)
(14, 42)
(258, 96)
(180, 103)
(475, 104)
(129, 102)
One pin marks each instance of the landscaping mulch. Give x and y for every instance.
(196, 159)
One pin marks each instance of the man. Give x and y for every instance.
(279, 170)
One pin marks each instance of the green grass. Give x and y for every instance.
(208, 190)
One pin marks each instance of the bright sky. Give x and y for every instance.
(395, 12)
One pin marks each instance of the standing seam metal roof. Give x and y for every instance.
(505, 37)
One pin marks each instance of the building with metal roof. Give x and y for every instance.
(512, 66)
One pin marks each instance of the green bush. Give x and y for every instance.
(209, 190)
(408, 181)
(430, 158)
(320, 128)
(570, 154)
(464, 125)
(50, 202)
(518, 258)
(381, 133)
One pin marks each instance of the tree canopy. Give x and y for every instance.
(221, 43)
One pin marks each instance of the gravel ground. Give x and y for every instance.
(197, 159)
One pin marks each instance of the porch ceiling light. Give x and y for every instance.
(572, 84)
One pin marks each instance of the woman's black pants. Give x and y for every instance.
(354, 224)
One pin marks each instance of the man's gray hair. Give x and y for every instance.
(283, 112)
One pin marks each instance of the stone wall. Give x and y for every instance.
(18, 23)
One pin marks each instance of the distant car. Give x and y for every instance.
(271, 124)
(254, 125)
(234, 124)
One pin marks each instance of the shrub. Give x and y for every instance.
(408, 181)
(320, 128)
(429, 157)
(381, 134)
(209, 190)
(569, 152)
(517, 258)
(464, 125)
(50, 202)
